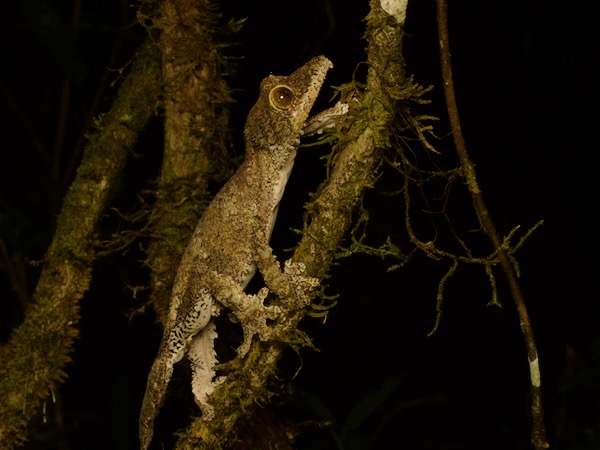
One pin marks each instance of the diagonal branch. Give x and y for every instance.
(34, 361)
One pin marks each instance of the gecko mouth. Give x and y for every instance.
(325, 119)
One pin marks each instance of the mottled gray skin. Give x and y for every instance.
(231, 240)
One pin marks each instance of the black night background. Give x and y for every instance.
(526, 74)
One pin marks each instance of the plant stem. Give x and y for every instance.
(538, 433)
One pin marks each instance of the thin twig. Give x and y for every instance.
(538, 433)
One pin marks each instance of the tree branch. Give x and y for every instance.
(33, 362)
(195, 100)
(538, 437)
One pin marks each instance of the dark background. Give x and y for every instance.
(526, 79)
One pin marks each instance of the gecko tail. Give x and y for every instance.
(158, 380)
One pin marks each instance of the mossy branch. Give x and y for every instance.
(33, 362)
(330, 214)
(196, 115)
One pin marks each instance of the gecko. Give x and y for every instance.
(231, 242)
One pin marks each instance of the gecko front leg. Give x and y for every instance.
(249, 309)
(290, 284)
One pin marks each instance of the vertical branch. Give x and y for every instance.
(195, 96)
(33, 362)
(538, 434)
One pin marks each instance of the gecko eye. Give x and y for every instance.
(281, 97)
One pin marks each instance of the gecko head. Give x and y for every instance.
(278, 117)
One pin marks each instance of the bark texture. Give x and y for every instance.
(33, 362)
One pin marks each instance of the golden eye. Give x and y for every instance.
(281, 97)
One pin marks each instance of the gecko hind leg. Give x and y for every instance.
(203, 359)
(173, 346)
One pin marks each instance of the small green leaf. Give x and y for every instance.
(369, 405)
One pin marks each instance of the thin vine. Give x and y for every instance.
(538, 433)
